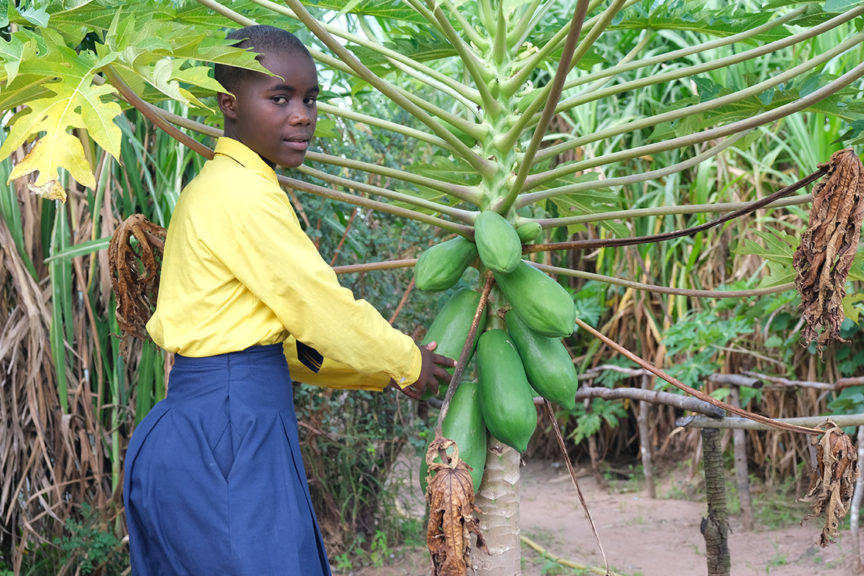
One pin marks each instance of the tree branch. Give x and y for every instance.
(556, 270)
(653, 396)
(456, 379)
(375, 266)
(618, 242)
(718, 207)
(464, 193)
(811, 422)
(684, 52)
(692, 391)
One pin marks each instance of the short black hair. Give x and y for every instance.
(261, 39)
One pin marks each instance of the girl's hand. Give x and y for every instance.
(434, 368)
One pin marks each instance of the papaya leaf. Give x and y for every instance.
(850, 310)
(840, 5)
(428, 47)
(778, 251)
(75, 101)
(692, 16)
(856, 272)
(13, 52)
(36, 14)
(451, 170)
(386, 9)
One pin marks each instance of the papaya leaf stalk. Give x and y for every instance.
(688, 111)
(617, 242)
(712, 133)
(551, 100)
(481, 165)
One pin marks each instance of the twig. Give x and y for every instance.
(550, 413)
(402, 301)
(558, 560)
(838, 385)
(372, 266)
(692, 391)
(616, 242)
(344, 236)
(463, 356)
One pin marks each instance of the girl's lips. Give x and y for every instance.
(300, 145)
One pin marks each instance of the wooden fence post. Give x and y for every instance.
(645, 440)
(742, 474)
(715, 528)
(857, 565)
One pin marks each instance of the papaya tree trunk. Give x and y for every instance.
(498, 500)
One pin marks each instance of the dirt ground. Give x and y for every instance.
(642, 536)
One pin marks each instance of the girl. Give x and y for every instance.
(214, 482)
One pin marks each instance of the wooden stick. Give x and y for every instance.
(688, 389)
(652, 396)
(841, 420)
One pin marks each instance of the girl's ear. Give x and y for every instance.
(227, 104)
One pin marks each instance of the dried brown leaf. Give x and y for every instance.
(450, 495)
(828, 246)
(135, 274)
(833, 481)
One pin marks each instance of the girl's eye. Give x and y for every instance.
(280, 99)
(310, 101)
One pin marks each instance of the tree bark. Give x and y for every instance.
(715, 527)
(498, 501)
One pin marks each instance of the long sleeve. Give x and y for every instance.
(332, 374)
(280, 265)
(239, 271)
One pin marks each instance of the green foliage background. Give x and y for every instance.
(604, 169)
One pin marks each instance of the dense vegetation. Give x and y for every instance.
(672, 112)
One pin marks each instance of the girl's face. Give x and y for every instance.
(275, 115)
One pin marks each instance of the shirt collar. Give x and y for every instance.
(244, 156)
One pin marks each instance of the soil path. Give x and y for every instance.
(640, 536)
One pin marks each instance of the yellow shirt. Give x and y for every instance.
(239, 271)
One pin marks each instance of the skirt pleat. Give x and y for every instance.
(214, 481)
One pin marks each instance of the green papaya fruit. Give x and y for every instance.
(441, 266)
(497, 242)
(464, 425)
(453, 322)
(547, 363)
(506, 399)
(528, 231)
(543, 304)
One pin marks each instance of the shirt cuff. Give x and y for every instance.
(413, 373)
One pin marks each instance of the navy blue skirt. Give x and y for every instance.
(214, 481)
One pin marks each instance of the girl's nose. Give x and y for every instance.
(300, 114)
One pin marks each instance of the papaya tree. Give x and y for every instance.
(532, 120)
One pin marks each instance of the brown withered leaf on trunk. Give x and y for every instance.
(824, 257)
(450, 495)
(135, 274)
(833, 480)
